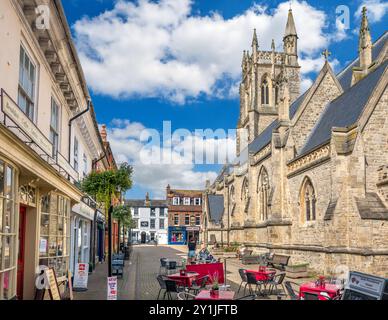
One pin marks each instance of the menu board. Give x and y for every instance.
(53, 284)
(81, 276)
(366, 284)
(112, 288)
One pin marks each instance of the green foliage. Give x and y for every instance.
(105, 185)
(123, 215)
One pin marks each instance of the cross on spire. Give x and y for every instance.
(326, 54)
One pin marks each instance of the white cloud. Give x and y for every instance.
(162, 49)
(180, 172)
(377, 9)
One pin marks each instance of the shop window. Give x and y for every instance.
(55, 233)
(7, 231)
(27, 78)
(177, 236)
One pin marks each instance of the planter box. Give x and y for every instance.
(297, 271)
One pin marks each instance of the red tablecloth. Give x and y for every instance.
(185, 280)
(208, 269)
(222, 295)
(264, 275)
(332, 289)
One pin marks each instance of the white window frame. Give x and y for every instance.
(186, 201)
(197, 201)
(55, 131)
(75, 154)
(176, 201)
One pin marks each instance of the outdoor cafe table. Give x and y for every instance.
(264, 275)
(222, 295)
(185, 280)
(209, 269)
(332, 290)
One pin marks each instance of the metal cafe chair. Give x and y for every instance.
(200, 284)
(161, 279)
(290, 290)
(277, 281)
(243, 277)
(172, 287)
(251, 280)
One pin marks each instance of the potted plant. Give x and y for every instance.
(215, 285)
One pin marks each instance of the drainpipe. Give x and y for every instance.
(71, 121)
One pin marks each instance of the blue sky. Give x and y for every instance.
(179, 60)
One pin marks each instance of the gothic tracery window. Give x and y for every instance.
(262, 194)
(265, 91)
(231, 201)
(308, 201)
(245, 195)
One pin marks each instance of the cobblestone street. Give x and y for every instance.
(139, 279)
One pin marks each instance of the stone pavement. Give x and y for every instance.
(139, 280)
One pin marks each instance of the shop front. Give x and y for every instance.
(98, 241)
(177, 235)
(193, 232)
(82, 217)
(35, 201)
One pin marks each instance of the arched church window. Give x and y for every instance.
(262, 194)
(245, 194)
(276, 94)
(265, 92)
(232, 201)
(308, 200)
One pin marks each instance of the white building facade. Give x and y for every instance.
(151, 220)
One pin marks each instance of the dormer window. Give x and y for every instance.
(176, 201)
(186, 201)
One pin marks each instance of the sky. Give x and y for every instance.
(151, 64)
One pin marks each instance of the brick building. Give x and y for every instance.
(184, 214)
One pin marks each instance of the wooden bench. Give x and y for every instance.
(278, 261)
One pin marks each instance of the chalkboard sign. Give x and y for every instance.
(53, 284)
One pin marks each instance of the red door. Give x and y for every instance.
(20, 272)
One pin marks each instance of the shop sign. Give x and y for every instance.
(84, 210)
(53, 284)
(65, 165)
(112, 288)
(12, 111)
(192, 228)
(43, 245)
(366, 283)
(81, 276)
(144, 224)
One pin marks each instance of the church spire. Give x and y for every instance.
(290, 27)
(255, 43)
(365, 42)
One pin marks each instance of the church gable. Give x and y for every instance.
(325, 89)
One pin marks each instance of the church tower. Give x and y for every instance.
(264, 74)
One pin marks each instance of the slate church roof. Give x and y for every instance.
(345, 110)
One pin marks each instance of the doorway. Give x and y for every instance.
(22, 236)
(143, 237)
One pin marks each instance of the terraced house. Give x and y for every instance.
(49, 140)
(311, 177)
